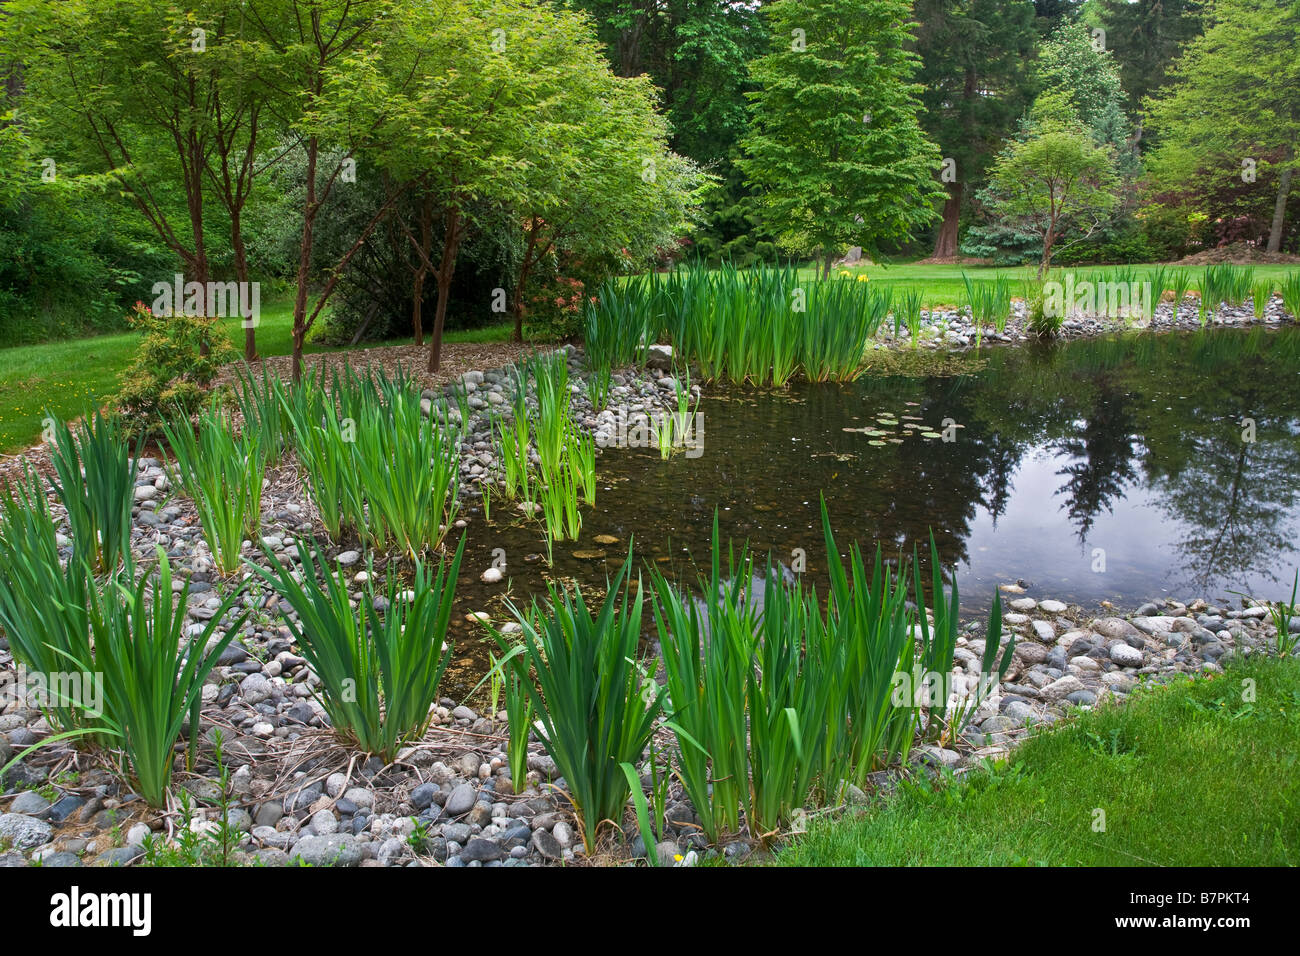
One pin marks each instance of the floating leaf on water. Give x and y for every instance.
(930, 435)
(589, 555)
(606, 539)
(875, 441)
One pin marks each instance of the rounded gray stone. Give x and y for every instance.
(461, 800)
(334, 849)
(23, 832)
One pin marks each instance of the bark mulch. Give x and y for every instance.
(457, 359)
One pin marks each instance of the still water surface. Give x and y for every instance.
(1120, 469)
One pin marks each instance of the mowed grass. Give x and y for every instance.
(943, 286)
(1187, 774)
(69, 377)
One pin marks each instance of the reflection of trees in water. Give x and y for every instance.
(1003, 456)
(1103, 457)
(1163, 410)
(1174, 404)
(1241, 496)
(1235, 497)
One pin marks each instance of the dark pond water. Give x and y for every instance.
(1114, 469)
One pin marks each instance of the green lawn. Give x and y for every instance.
(68, 377)
(1188, 775)
(942, 285)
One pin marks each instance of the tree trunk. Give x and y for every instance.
(517, 306)
(426, 244)
(450, 244)
(241, 274)
(417, 307)
(304, 261)
(945, 246)
(194, 203)
(1279, 210)
(1049, 240)
(827, 258)
(202, 274)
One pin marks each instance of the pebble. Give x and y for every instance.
(30, 803)
(360, 797)
(563, 833)
(336, 849)
(1059, 689)
(23, 832)
(1125, 655)
(461, 800)
(255, 689)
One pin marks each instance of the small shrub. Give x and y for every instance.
(555, 308)
(174, 367)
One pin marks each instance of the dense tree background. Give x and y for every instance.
(248, 140)
(977, 81)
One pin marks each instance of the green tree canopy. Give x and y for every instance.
(977, 81)
(1231, 113)
(1055, 182)
(1146, 36)
(837, 148)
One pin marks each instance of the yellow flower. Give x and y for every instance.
(864, 278)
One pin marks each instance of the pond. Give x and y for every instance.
(1117, 469)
